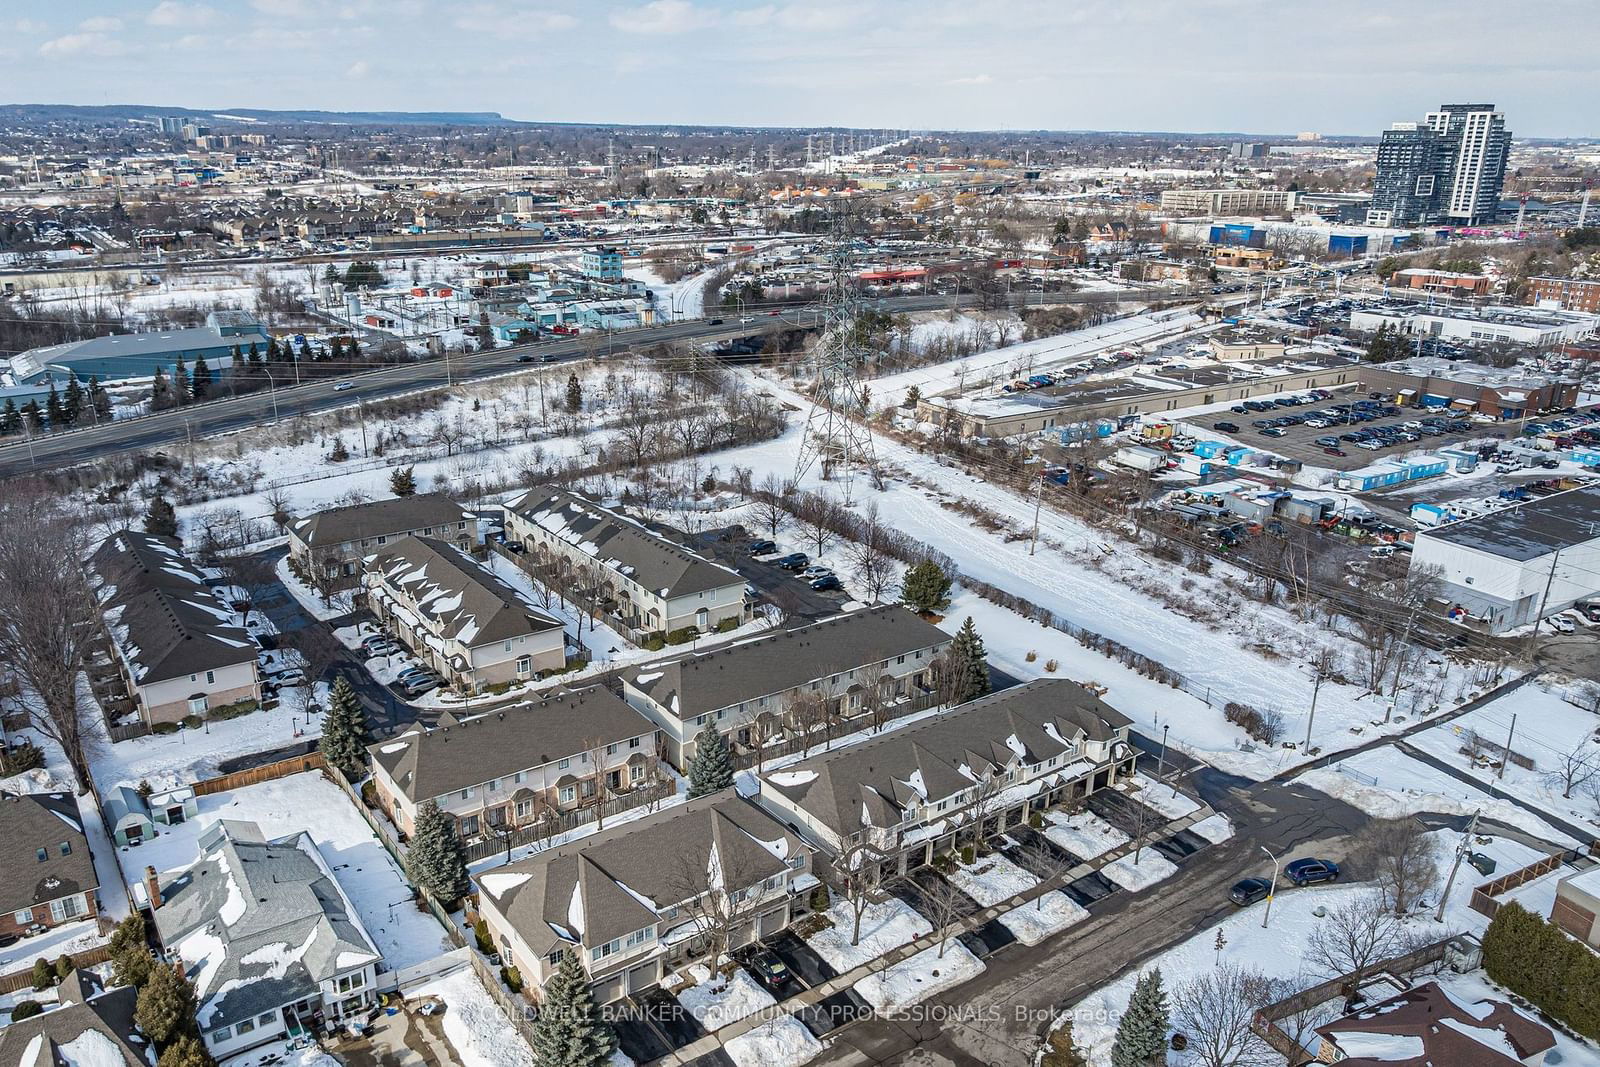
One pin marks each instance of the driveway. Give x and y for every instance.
(400, 1040)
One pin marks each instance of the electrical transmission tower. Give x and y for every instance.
(836, 433)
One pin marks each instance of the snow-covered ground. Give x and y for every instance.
(1037, 920)
(994, 880)
(58, 940)
(370, 878)
(1214, 828)
(474, 1025)
(887, 925)
(718, 1000)
(919, 977)
(1161, 798)
(783, 1041)
(1151, 867)
(167, 760)
(1084, 834)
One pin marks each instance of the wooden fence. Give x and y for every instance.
(267, 772)
(518, 1010)
(23, 979)
(1484, 900)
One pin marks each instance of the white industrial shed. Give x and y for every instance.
(1502, 569)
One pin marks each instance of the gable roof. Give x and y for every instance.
(29, 822)
(95, 1028)
(872, 782)
(1429, 1025)
(611, 883)
(723, 677)
(627, 547)
(457, 598)
(258, 924)
(396, 515)
(432, 762)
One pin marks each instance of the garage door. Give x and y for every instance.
(642, 977)
(608, 989)
(771, 923)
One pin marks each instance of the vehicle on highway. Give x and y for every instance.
(792, 562)
(340, 387)
(713, 322)
(826, 582)
(761, 548)
(1249, 891)
(527, 359)
(1307, 871)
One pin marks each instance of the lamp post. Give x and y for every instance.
(272, 390)
(1273, 889)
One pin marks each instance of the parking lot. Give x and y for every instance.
(1395, 431)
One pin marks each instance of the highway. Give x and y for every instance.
(144, 433)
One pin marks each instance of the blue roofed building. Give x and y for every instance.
(119, 356)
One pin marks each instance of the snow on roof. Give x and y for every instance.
(792, 778)
(1358, 1044)
(91, 1048)
(501, 884)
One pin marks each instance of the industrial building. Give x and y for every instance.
(1227, 201)
(119, 356)
(1511, 325)
(1439, 383)
(1502, 570)
(1442, 282)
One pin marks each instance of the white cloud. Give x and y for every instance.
(971, 79)
(282, 8)
(100, 24)
(29, 26)
(494, 18)
(663, 17)
(359, 69)
(174, 13)
(82, 44)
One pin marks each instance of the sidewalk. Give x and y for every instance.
(847, 980)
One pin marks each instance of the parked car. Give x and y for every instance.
(793, 561)
(1225, 427)
(1249, 891)
(761, 548)
(766, 966)
(1561, 624)
(289, 677)
(816, 570)
(1335, 451)
(1273, 431)
(420, 686)
(1307, 871)
(826, 582)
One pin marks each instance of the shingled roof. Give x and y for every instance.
(874, 781)
(611, 883)
(33, 821)
(745, 671)
(1429, 1026)
(429, 763)
(657, 564)
(397, 515)
(93, 1027)
(258, 924)
(457, 598)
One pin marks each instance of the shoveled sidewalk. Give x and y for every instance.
(840, 982)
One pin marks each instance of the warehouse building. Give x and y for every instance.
(1227, 201)
(120, 356)
(1502, 570)
(1439, 383)
(1507, 325)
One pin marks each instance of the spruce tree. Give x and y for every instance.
(160, 391)
(925, 588)
(165, 1008)
(712, 766)
(200, 383)
(160, 519)
(180, 383)
(574, 394)
(33, 416)
(343, 729)
(403, 481)
(569, 1031)
(53, 409)
(969, 661)
(99, 399)
(353, 350)
(1142, 1034)
(10, 419)
(186, 1051)
(72, 402)
(435, 861)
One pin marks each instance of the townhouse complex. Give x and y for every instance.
(328, 547)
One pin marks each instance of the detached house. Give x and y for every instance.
(915, 792)
(1429, 1026)
(647, 581)
(91, 1027)
(328, 547)
(465, 623)
(46, 872)
(518, 765)
(267, 936)
(177, 646)
(640, 899)
(879, 659)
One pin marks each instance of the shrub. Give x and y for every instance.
(64, 965)
(480, 934)
(44, 976)
(164, 728)
(682, 635)
(968, 854)
(511, 978)
(369, 793)
(819, 898)
(1031, 656)
(1036, 820)
(26, 756)
(726, 625)
(25, 1009)
(233, 711)
(655, 643)
(1535, 959)
(192, 722)
(1265, 727)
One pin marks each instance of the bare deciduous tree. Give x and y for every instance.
(945, 904)
(804, 710)
(1355, 936)
(1214, 1011)
(1574, 769)
(869, 557)
(1403, 857)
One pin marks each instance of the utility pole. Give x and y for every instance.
(1461, 853)
(1038, 499)
(1544, 599)
(1506, 756)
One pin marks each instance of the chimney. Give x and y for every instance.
(152, 888)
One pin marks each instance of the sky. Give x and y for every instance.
(1258, 66)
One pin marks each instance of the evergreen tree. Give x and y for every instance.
(186, 1051)
(403, 481)
(343, 729)
(99, 399)
(274, 353)
(435, 862)
(72, 402)
(925, 588)
(160, 391)
(10, 419)
(1508, 949)
(1142, 1034)
(200, 384)
(331, 275)
(33, 416)
(180, 384)
(569, 1031)
(336, 350)
(574, 394)
(353, 350)
(970, 663)
(913, 395)
(485, 332)
(253, 357)
(712, 766)
(160, 519)
(1580, 990)
(53, 410)
(131, 961)
(44, 976)
(165, 1008)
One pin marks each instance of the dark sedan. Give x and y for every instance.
(1249, 891)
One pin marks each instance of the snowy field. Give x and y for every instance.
(369, 877)
(167, 760)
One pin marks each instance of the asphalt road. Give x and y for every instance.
(235, 413)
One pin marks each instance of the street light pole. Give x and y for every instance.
(272, 390)
(1273, 890)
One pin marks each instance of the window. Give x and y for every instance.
(900, 659)
(42, 853)
(524, 664)
(66, 848)
(222, 1033)
(346, 982)
(494, 785)
(564, 764)
(600, 952)
(211, 677)
(588, 789)
(611, 749)
(466, 794)
(640, 937)
(524, 809)
(796, 862)
(197, 705)
(23, 917)
(633, 742)
(567, 794)
(351, 1006)
(469, 825)
(636, 773)
(508, 646)
(267, 1020)
(383, 539)
(614, 780)
(556, 956)
(519, 777)
(245, 1026)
